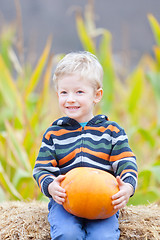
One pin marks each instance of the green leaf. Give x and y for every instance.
(157, 55)
(35, 78)
(105, 57)
(6, 40)
(136, 87)
(147, 136)
(2, 195)
(7, 185)
(142, 197)
(154, 78)
(144, 178)
(17, 148)
(108, 94)
(155, 28)
(11, 96)
(104, 54)
(19, 176)
(86, 40)
(156, 171)
(43, 98)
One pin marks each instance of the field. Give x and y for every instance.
(28, 105)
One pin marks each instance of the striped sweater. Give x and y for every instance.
(100, 144)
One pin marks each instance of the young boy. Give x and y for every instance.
(81, 139)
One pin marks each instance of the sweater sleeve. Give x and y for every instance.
(123, 160)
(46, 169)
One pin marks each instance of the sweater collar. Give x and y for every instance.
(70, 121)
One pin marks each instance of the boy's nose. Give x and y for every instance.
(70, 98)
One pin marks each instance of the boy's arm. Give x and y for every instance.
(123, 160)
(46, 169)
(124, 164)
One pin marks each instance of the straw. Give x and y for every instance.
(28, 221)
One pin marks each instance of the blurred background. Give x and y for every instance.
(34, 36)
(126, 20)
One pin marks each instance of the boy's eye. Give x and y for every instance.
(63, 92)
(80, 92)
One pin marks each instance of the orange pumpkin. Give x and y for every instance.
(89, 193)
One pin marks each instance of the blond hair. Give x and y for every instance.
(85, 64)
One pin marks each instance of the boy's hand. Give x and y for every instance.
(121, 198)
(56, 191)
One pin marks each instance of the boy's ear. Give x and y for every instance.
(98, 95)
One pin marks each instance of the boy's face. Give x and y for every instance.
(77, 97)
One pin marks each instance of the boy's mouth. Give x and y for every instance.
(72, 107)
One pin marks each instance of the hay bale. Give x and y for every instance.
(140, 222)
(24, 221)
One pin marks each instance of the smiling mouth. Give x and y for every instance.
(72, 108)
